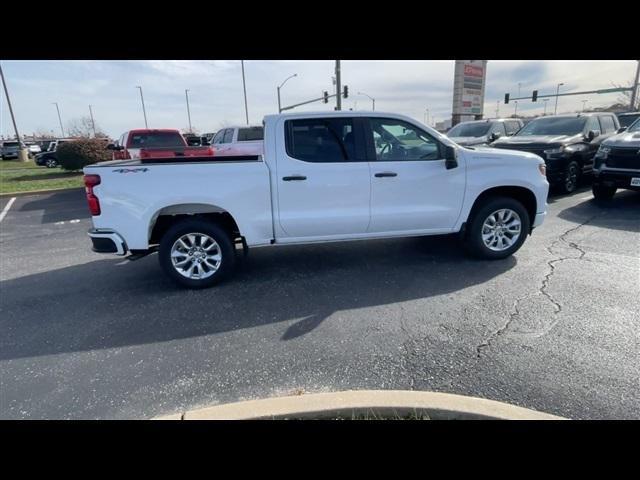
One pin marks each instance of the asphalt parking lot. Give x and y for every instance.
(554, 328)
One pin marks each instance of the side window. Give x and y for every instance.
(228, 135)
(323, 140)
(498, 127)
(512, 127)
(592, 124)
(217, 138)
(395, 140)
(608, 126)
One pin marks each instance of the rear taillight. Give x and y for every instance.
(91, 181)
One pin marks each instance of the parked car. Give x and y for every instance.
(34, 149)
(49, 158)
(130, 142)
(238, 141)
(323, 177)
(567, 144)
(483, 132)
(617, 163)
(627, 118)
(10, 149)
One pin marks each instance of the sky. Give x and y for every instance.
(216, 93)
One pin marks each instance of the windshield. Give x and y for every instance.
(469, 130)
(627, 120)
(635, 126)
(250, 134)
(554, 126)
(156, 139)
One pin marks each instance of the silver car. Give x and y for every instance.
(10, 150)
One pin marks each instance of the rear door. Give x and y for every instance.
(411, 190)
(323, 178)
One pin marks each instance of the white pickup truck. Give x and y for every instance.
(323, 177)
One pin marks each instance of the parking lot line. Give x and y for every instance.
(6, 208)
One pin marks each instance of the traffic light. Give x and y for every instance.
(506, 98)
(326, 97)
(535, 96)
(346, 91)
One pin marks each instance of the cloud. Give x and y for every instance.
(216, 94)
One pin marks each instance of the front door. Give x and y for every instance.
(411, 188)
(323, 178)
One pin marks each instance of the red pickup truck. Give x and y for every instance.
(155, 143)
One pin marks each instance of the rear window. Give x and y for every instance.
(10, 144)
(156, 139)
(250, 134)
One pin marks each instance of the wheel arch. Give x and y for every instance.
(165, 217)
(522, 194)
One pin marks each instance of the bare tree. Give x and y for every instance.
(624, 98)
(82, 127)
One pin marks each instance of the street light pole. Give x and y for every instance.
(93, 124)
(6, 92)
(244, 87)
(186, 94)
(59, 118)
(279, 87)
(144, 111)
(545, 100)
(338, 92)
(373, 100)
(583, 104)
(498, 109)
(516, 112)
(634, 92)
(426, 117)
(555, 112)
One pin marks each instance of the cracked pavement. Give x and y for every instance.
(554, 328)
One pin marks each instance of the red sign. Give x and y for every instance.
(472, 71)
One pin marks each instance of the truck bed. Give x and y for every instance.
(177, 160)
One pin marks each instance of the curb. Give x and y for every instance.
(391, 403)
(38, 192)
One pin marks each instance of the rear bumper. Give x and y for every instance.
(107, 241)
(10, 155)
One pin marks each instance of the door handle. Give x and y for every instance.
(386, 174)
(294, 177)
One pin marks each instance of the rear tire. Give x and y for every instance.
(201, 246)
(51, 163)
(491, 232)
(602, 193)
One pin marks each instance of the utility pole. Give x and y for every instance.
(338, 92)
(188, 111)
(555, 112)
(634, 92)
(244, 87)
(498, 109)
(516, 112)
(426, 117)
(23, 155)
(59, 118)
(146, 125)
(583, 104)
(93, 124)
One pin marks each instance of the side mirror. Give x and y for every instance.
(592, 134)
(450, 157)
(111, 146)
(494, 136)
(621, 130)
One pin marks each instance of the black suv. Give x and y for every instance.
(567, 144)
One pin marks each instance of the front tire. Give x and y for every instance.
(602, 193)
(197, 254)
(571, 178)
(497, 229)
(51, 163)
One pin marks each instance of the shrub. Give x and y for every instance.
(79, 153)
